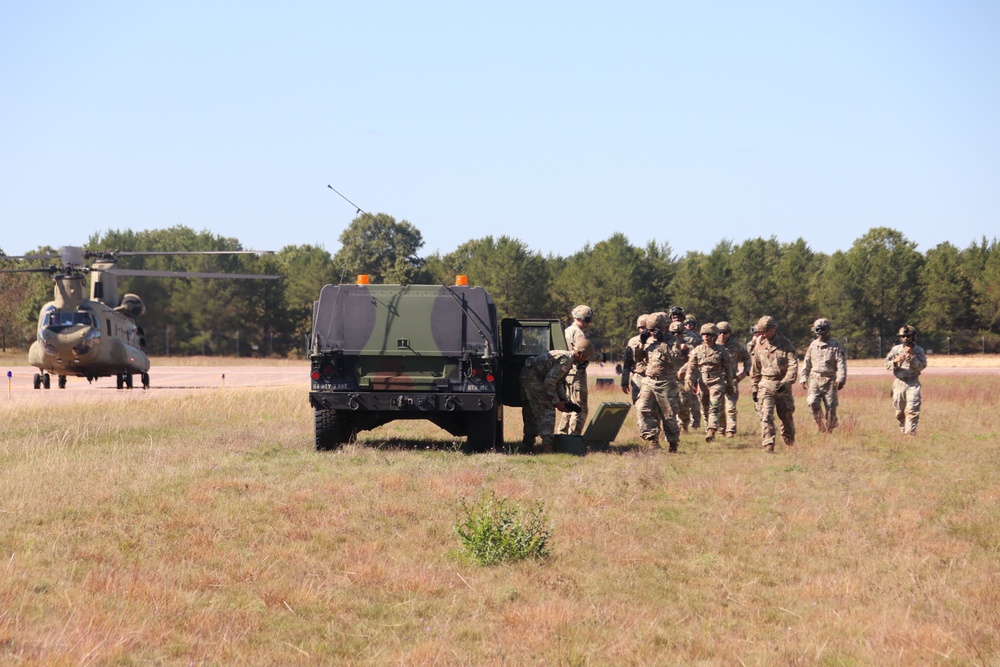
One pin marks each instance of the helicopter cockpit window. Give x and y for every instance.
(61, 319)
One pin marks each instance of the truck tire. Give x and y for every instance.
(328, 429)
(482, 430)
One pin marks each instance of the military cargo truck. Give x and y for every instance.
(385, 352)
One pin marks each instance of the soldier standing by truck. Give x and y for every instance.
(576, 381)
(543, 383)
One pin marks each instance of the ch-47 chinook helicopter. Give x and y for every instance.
(98, 336)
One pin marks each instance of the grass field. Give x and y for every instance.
(204, 529)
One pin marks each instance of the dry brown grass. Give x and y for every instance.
(205, 529)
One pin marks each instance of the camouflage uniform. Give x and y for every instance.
(543, 384)
(773, 369)
(741, 366)
(712, 368)
(751, 346)
(576, 382)
(690, 412)
(824, 370)
(633, 371)
(906, 363)
(658, 401)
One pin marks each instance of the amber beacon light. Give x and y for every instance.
(462, 280)
(363, 279)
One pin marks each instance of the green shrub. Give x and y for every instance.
(492, 531)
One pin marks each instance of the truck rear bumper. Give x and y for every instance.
(368, 401)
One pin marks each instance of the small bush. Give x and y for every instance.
(492, 531)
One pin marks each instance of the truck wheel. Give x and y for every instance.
(46, 380)
(145, 380)
(37, 381)
(482, 430)
(328, 430)
(62, 381)
(120, 380)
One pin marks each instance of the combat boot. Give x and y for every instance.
(710, 435)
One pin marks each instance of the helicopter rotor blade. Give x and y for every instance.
(47, 269)
(186, 274)
(26, 257)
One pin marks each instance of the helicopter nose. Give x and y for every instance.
(67, 345)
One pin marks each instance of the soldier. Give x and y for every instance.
(712, 368)
(632, 372)
(543, 385)
(658, 400)
(741, 366)
(755, 334)
(690, 324)
(824, 370)
(773, 370)
(688, 402)
(906, 361)
(576, 381)
(690, 414)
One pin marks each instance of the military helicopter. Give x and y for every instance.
(98, 336)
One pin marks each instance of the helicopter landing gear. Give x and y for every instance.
(37, 381)
(62, 381)
(120, 380)
(128, 380)
(46, 380)
(145, 380)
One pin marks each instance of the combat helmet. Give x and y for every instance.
(724, 327)
(690, 319)
(676, 327)
(640, 322)
(586, 347)
(766, 322)
(907, 331)
(821, 326)
(675, 312)
(709, 329)
(655, 321)
(583, 312)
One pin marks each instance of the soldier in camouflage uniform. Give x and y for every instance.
(690, 414)
(773, 370)
(576, 381)
(658, 400)
(906, 361)
(755, 335)
(711, 367)
(741, 366)
(543, 385)
(824, 371)
(690, 324)
(688, 400)
(632, 372)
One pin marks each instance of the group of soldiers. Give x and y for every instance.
(678, 379)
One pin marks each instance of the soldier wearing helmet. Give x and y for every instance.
(741, 366)
(576, 381)
(543, 385)
(658, 402)
(710, 375)
(690, 414)
(824, 373)
(689, 410)
(906, 360)
(633, 371)
(773, 370)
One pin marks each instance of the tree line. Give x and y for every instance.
(868, 291)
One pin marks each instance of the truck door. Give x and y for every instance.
(519, 341)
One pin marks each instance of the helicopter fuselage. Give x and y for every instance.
(87, 339)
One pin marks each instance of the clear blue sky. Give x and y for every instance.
(556, 123)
